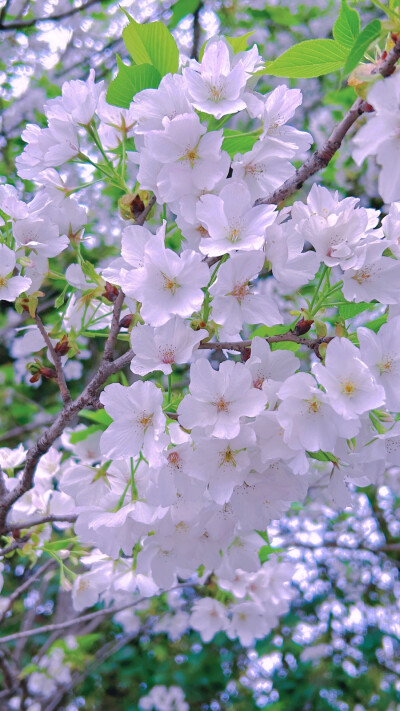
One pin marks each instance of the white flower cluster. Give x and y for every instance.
(162, 699)
(187, 496)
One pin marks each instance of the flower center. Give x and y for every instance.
(203, 231)
(167, 355)
(313, 405)
(386, 366)
(145, 420)
(215, 92)
(227, 457)
(348, 387)
(362, 275)
(234, 234)
(170, 285)
(175, 460)
(254, 169)
(3, 281)
(222, 405)
(240, 291)
(190, 155)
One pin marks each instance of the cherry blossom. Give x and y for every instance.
(218, 399)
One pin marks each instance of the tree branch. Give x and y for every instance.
(143, 215)
(65, 394)
(282, 337)
(51, 518)
(323, 155)
(108, 353)
(84, 618)
(22, 24)
(196, 32)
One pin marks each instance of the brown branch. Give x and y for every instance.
(49, 436)
(282, 337)
(196, 32)
(108, 353)
(69, 411)
(3, 488)
(51, 518)
(23, 24)
(323, 155)
(65, 394)
(16, 432)
(143, 215)
(84, 618)
(8, 676)
(4, 10)
(14, 545)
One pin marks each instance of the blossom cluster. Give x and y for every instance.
(178, 487)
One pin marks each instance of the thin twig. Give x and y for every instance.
(280, 338)
(108, 353)
(51, 518)
(22, 24)
(65, 394)
(16, 432)
(84, 618)
(14, 545)
(323, 155)
(3, 488)
(196, 32)
(141, 219)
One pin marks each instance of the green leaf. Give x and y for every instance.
(99, 416)
(280, 15)
(239, 44)
(370, 33)
(59, 545)
(311, 58)
(238, 142)
(153, 44)
(347, 26)
(129, 81)
(376, 324)
(323, 456)
(347, 311)
(81, 435)
(181, 9)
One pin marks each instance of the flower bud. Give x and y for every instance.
(126, 321)
(131, 206)
(110, 292)
(62, 347)
(303, 326)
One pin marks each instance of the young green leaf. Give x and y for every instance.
(239, 44)
(347, 26)
(370, 33)
(81, 435)
(347, 311)
(311, 58)
(238, 142)
(152, 44)
(129, 81)
(181, 9)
